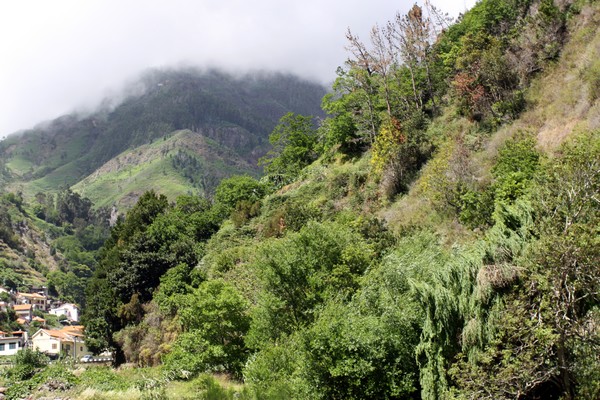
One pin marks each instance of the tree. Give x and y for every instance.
(300, 272)
(238, 188)
(568, 254)
(214, 322)
(294, 142)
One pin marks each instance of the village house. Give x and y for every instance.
(10, 344)
(24, 311)
(69, 310)
(37, 300)
(68, 341)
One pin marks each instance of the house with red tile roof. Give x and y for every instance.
(24, 311)
(37, 300)
(68, 340)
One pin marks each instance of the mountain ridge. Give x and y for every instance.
(237, 112)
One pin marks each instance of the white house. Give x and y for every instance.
(10, 344)
(69, 341)
(71, 311)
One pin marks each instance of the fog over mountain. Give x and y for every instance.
(63, 55)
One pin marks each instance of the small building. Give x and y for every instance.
(54, 342)
(24, 311)
(10, 344)
(37, 300)
(71, 311)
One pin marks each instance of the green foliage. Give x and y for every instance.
(294, 143)
(139, 218)
(398, 154)
(68, 285)
(214, 321)
(592, 78)
(278, 371)
(26, 364)
(175, 282)
(208, 388)
(7, 234)
(103, 378)
(300, 272)
(236, 189)
(290, 217)
(356, 356)
(340, 129)
(154, 238)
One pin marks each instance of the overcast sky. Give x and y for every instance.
(61, 55)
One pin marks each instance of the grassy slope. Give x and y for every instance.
(123, 179)
(560, 103)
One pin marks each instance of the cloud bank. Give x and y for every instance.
(61, 55)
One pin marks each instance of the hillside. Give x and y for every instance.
(237, 113)
(436, 237)
(184, 162)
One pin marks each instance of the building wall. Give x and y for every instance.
(46, 344)
(51, 345)
(71, 312)
(9, 346)
(75, 349)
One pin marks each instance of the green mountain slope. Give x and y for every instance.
(185, 162)
(444, 244)
(236, 112)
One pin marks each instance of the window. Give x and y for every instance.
(2, 347)
(68, 347)
(53, 346)
(12, 346)
(81, 348)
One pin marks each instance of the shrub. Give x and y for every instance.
(27, 363)
(103, 378)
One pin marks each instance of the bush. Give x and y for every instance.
(103, 378)
(208, 388)
(215, 322)
(27, 363)
(592, 78)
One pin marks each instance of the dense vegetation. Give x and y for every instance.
(436, 236)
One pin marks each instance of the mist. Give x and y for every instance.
(68, 55)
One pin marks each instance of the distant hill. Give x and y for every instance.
(227, 119)
(183, 162)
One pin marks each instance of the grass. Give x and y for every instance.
(123, 179)
(19, 165)
(128, 383)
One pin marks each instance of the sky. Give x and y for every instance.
(58, 56)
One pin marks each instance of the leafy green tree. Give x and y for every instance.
(568, 253)
(27, 363)
(300, 272)
(141, 216)
(294, 143)
(214, 321)
(236, 189)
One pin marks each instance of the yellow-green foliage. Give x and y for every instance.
(434, 183)
(387, 145)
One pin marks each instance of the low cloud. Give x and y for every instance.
(68, 54)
